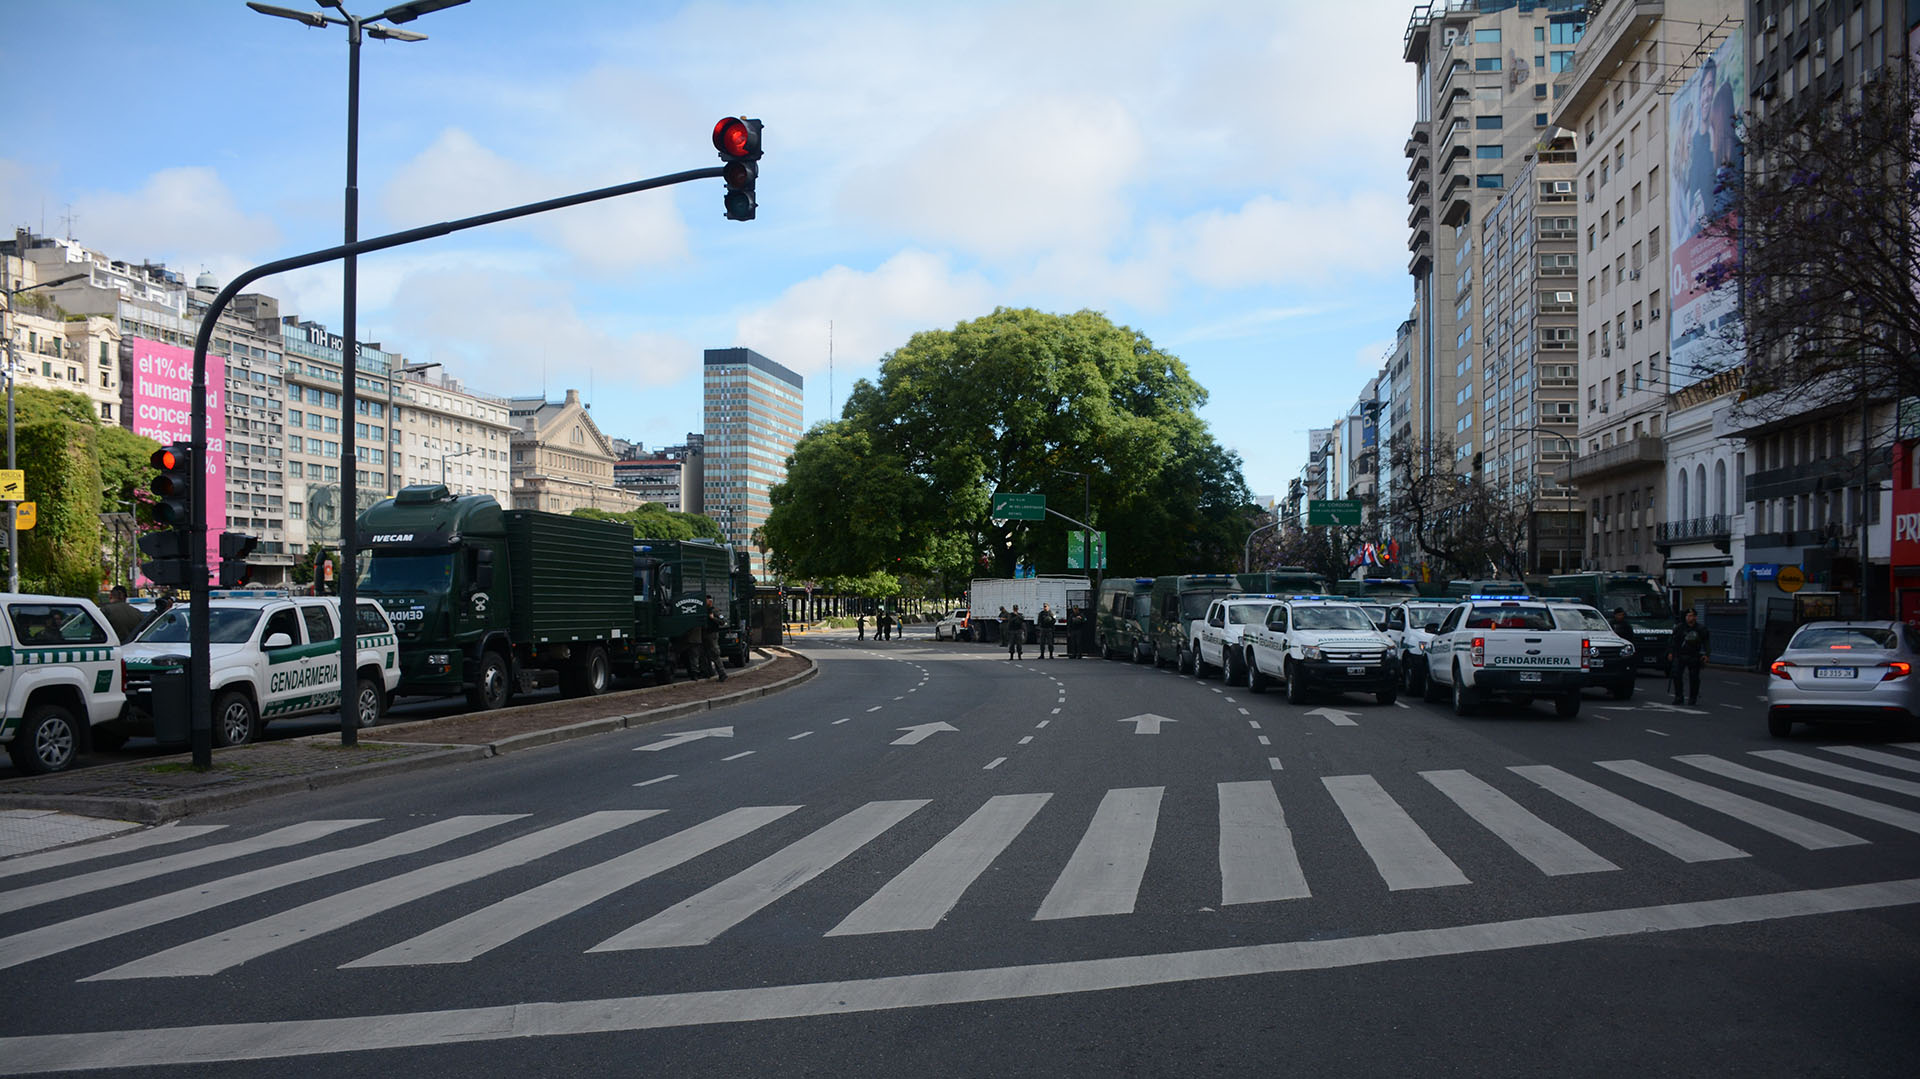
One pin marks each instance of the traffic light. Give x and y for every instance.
(167, 548)
(234, 549)
(738, 140)
(173, 487)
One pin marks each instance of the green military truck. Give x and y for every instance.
(1644, 598)
(1179, 606)
(672, 580)
(1283, 581)
(1120, 620)
(1390, 589)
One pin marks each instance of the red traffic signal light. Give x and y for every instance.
(738, 140)
(173, 487)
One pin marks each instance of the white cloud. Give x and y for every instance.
(1373, 355)
(186, 217)
(872, 312)
(1269, 241)
(459, 177)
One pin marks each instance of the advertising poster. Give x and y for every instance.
(163, 411)
(1702, 145)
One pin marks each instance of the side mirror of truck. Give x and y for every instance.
(276, 641)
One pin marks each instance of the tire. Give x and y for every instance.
(594, 676)
(1387, 698)
(369, 702)
(1778, 725)
(492, 685)
(1465, 701)
(1184, 663)
(1296, 685)
(1623, 692)
(1567, 706)
(1257, 682)
(1431, 691)
(48, 740)
(236, 721)
(1414, 679)
(1236, 672)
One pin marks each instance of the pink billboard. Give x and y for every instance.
(163, 411)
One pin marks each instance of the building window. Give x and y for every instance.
(1485, 153)
(1560, 60)
(1487, 63)
(1487, 179)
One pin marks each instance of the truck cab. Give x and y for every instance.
(60, 678)
(1120, 627)
(1407, 628)
(1313, 642)
(1509, 647)
(1179, 609)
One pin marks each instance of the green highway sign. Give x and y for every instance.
(1333, 511)
(1078, 557)
(1008, 506)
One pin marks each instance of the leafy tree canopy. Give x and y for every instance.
(1069, 406)
(657, 522)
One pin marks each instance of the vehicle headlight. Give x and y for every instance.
(439, 659)
(1626, 650)
(1312, 651)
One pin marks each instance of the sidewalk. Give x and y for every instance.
(61, 808)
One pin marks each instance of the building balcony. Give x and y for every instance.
(1417, 141)
(1716, 529)
(1605, 46)
(1647, 451)
(1457, 202)
(1420, 210)
(1816, 477)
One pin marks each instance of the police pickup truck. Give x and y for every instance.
(59, 680)
(1407, 626)
(271, 658)
(1218, 646)
(1506, 646)
(1324, 642)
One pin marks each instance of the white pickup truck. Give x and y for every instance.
(59, 680)
(1506, 646)
(1311, 642)
(1217, 645)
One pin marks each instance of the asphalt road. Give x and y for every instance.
(933, 861)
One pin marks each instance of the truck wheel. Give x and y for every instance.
(1184, 663)
(368, 701)
(48, 740)
(1778, 725)
(596, 674)
(1465, 701)
(1296, 685)
(235, 722)
(1387, 698)
(1256, 681)
(1236, 674)
(1568, 706)
(1431, 691)
(1621, 692)
(490, 685)
(1415, 679)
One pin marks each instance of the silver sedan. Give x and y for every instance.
(1846, 671)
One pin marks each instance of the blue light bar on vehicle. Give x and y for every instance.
(1506, 598)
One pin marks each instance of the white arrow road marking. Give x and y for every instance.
(919, 734)
(1147, 723)
(683, 737)
(1335, 716)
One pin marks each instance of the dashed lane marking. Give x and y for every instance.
(1265, 741)
(737, 756)
(876, 708)
(1042, 723)
(656, 779)
(1027, 739)
(1244, 712)
(797, 737)
(994, 763)
(1274, 763)
(1662, 734)
(837, 722)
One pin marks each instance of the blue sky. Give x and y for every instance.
(1225, 177)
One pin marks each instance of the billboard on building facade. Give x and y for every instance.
(1703, 147)
(163, 410)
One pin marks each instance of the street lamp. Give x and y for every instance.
(1246, 555)
(349, 331)
(7, 330)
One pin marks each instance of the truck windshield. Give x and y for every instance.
(1194, 604)
(228, 625)
(1142, 607)
(1248, 614)
(407, 571)
(1331, 618)
(1581, 618)
(1638, 604)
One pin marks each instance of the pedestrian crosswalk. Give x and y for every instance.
(1071, 857)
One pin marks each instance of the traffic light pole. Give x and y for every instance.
(200, 691)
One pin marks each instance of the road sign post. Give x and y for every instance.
(1333, 511)
(1012, 506)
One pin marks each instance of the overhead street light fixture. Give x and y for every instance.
(389, 33)
(407, 12)
(311, 18)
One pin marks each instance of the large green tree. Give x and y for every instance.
(1088, 413)
(77, 468)
(651, 521)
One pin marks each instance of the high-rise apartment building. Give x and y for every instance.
(561, 461)
(1483, 99)
(452, 435)
(668, 477)
(753, 421)
(315, 423)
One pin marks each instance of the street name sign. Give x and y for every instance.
(1333, 511)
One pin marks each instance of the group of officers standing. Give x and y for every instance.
(1012, 628)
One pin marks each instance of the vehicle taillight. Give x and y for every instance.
(1780, 669)
(1479, 651)
(1897, 669)
(123, 674)
(1587, 653)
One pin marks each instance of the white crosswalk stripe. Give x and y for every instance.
(105, 848)
(1098, 863)
(1889, 760)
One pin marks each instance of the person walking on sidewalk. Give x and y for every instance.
(860, 623)
(710, 640)
(1688, 654)
(1076, 624)
(1016, 631)
(1045, 621)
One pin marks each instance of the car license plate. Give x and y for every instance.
(1834, 672)
(1529, 676)
(1356, 670)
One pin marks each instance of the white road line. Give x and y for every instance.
(928, 889)
(1735, 707)
(1041, 724)
(1838, 771)
(1103, 875)
(116, 876)
(202, 1045)
(1401, 851)
(994, 763)
(1872, 756)
(1401, 704)
(516, 916)
(837, 722)
(1027, 739)
(737, 756)
(1244, 712)
(1903, 819)
(1637, 820)
(700, 918)
(797, 737)
(229, 948)
(1273, 763)
(1258, 863)
(105, 848)
(1551, 850)
(1055, 712)
(656, 779)
(1265, 741)
(1230, 700)
(146, 913)
(1216, 689)
(1792, 827)
(1254, 723)
(1662, 734)
(876, 708)
(901, 698)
